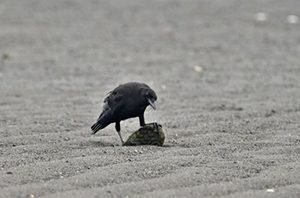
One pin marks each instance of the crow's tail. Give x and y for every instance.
(102, 122)
(98, 126)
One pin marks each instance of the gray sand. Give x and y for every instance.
(232, 127)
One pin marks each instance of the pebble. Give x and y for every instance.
(197, 69)
(260, 16)
(293, 19)
(270, 190)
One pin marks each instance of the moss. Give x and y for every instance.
(150, 134)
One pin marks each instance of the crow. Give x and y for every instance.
(128, 100)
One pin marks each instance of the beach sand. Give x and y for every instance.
(227, 78)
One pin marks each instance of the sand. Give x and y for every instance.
(227, 78)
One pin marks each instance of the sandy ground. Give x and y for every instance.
(232, 124)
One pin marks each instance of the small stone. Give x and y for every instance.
(270, 190)
(197, 69)
(293, 19)
(260, 16)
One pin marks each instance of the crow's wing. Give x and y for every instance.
(112, 104)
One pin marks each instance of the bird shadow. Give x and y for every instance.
(103, 144)
(168, 145)
(98, 143)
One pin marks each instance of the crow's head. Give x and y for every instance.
(150, 97)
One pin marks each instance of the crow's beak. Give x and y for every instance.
(152, 103)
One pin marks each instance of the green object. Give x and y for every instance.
(150, 134)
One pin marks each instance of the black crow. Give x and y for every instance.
(126, 101)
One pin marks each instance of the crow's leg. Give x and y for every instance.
(142, 120)
(118, 128)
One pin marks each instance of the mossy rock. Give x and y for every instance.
(150, 134)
